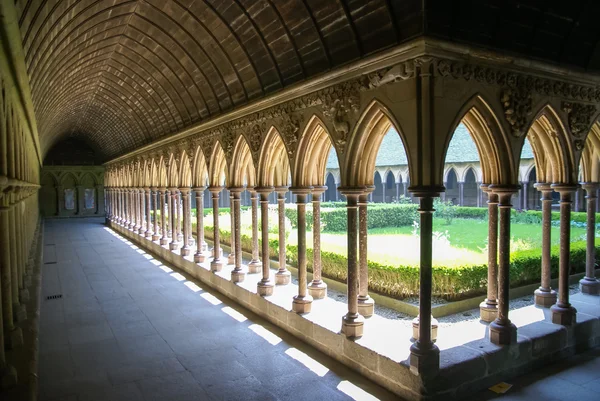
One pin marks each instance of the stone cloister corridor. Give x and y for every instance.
(127, 127)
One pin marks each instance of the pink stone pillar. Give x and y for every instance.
(155, 234)
(173, 218)
(217, 263)
(317, 288)
(302, 302)
(562, 311)
(366, 304)
(589, 284)
(255, 265)
(185, 194)
(237, 274)
(489, 308)
(231, 256)
(502, 330)
(265, 285)
(283, 276)
(545, 296)
(164, 240)
(201, 254)
(352, 322)
(148, 233)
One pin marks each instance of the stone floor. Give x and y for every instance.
(129, 328)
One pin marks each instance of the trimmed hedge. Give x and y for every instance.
(380, 216)
(449, 283)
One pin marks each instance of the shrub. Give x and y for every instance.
(444, 210)
(378, 216)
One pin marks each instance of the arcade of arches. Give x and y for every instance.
(249, 110)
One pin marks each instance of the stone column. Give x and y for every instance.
(352, 322)
(60, 201)
(577, 200)
(302, 302)
(479, 194)
(121, 206)
(237, 274)
(489, 308)
(366, 304)
(130, 208)
(148, 230)
(383, 186)
(201, 254)
(231, 256)
(185, 194)
(164, 240)
(173, 218)
(80, 205)
(169, 227)
(502, 331)
(155, 234)
(545, 296)
(562, 311)
(141, 211)
(282, 277)
(255, 265)
(178, 214)
(397, 191)
(19, 310)
(217, 263)
(461, 193)
(525, 194)
(13, 335)
(424, 354)
(405, 189)
(265, 285)
(317, 288)
(589, 284)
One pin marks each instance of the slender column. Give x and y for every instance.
(502, 331)
(13, 336)
(255, 265)
(577, 200)
(265, 285)
(424, 354)
(405, 188)
(589, 284)
(461, 193)
(525, 185)
(8, 374)
(155, 234)
(237, 274)
(169, 226)
(352, 322)
(185, 194)
(130, 209)
(397, 191)
(562, 311)
(121, 206)
(383, 184)
(366, 304)
(479, 194)
(217, 263)
(489, 308)
(545, 296)
(148, 230)
(141, 211)
(173, 218)
(317, 288)
(201, 254)
(178, 215)
(164, 240)
(232, 216)
(302, 302)
(283, 276)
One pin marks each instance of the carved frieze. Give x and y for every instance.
(517, 104)
(579, 117)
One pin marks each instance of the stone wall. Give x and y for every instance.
(72, 191)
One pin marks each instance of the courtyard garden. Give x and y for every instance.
(459, 245)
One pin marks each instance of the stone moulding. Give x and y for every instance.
(463, 370)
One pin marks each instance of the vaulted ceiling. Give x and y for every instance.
(122, 73)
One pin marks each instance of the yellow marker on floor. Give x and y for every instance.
(500, 388)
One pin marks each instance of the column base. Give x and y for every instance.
(24, 294)
(302, 304)
(13, 339)
(148, 234)
(179, 237)
(590, 286)
(424, 360)
(216, 265)
(488, 312)
(19, 313)
(545, 299)
(264, 288)
(173, 246)
(415, 328)
(237, 276)
(141, 231)
(200, 257)
(563, 315)
(185, 251)
(318, 289)
(366, 306)
(231, 259)
(353, 326)
(502, 333)
(155, 237)
(8, 377)
(254, 267)
(164, 241)
(283, 277)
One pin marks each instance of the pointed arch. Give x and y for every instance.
(242, 171)
(364, 144)
(163, 180)
(185, 170)
(273, 164)
(551, 148)
(590, 157)
(146, 174)
(199, 169)
(91, 177)
(217, 174)
(493, 148)
(172, 172)
(470, 167)
(154, 180)
(447, 173)
(313, 152)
